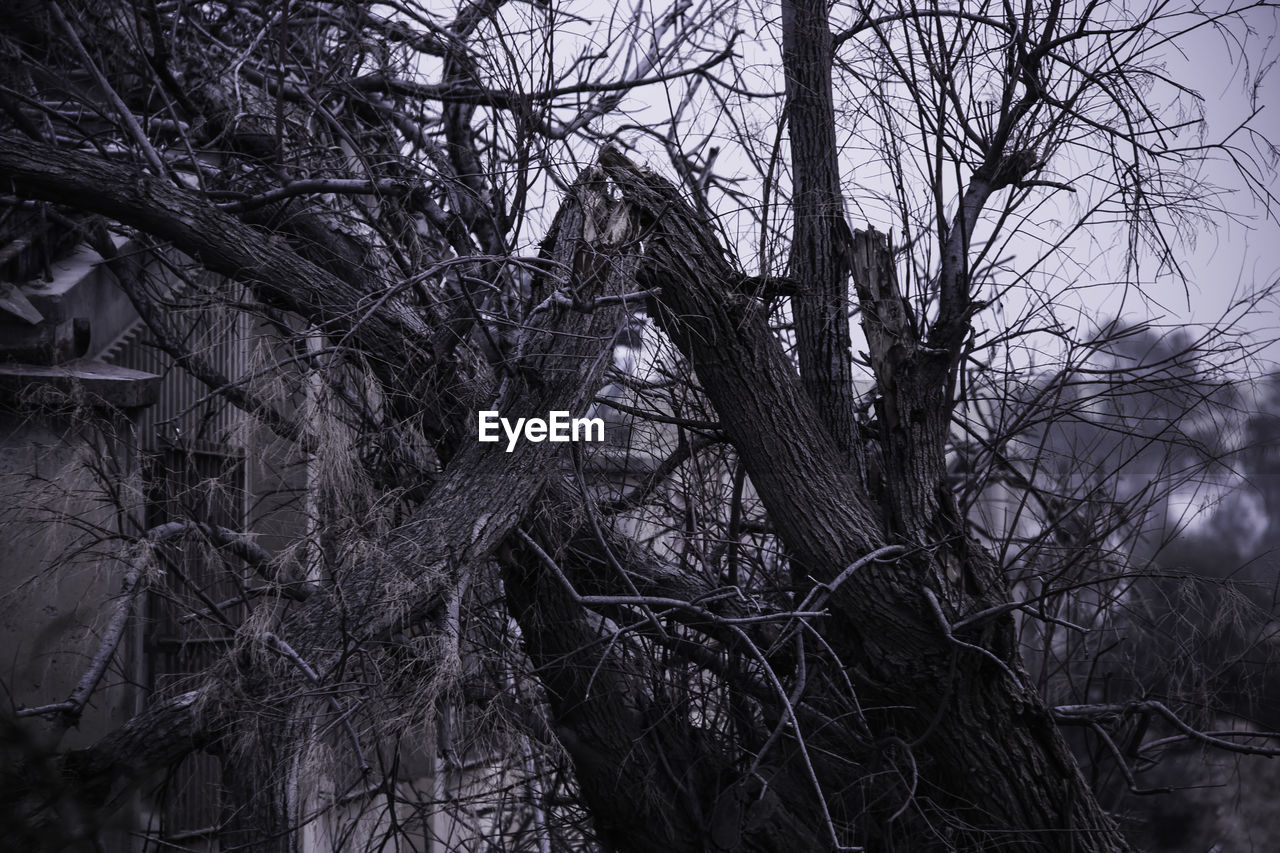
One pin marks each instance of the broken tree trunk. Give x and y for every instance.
(992, 767)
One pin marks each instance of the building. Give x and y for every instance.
(106, 441)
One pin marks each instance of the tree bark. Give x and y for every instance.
(396, 340)
(985, 747)
(819, 242)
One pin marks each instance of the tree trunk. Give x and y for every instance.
(985, 748)
(819, 240)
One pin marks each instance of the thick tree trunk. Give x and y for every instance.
(654, 778)
(985, 747)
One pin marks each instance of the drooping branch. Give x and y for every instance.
(68, 712)
(130, 275)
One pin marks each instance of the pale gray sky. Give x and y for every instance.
(1225, 258)
(1243, 254)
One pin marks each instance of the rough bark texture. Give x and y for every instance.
(819, 243)
(394, 337)
(986, 748)
(655, 781)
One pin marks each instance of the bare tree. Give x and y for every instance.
(769, 625)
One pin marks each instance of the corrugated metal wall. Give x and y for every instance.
(183, 485)
(193, 447)
(189, 414)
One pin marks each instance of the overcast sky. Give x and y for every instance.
(1226, 259)
(1238, 255)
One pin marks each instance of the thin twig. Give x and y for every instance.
(946, 629)
(309, 186)
(306, 669)
(126, 115)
